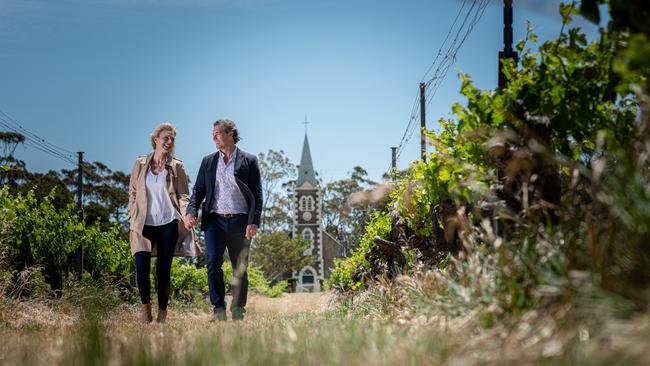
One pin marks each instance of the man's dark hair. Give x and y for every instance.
(227, 126)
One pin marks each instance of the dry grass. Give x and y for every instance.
(306, 329)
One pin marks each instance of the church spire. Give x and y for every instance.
(306, 169)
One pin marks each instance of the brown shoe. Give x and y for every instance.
(145, 313)
(162, 316)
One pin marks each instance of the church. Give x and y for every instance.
(307, 215)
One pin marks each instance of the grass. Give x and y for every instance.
(307, 330)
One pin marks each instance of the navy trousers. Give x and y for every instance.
(164, 238)
(221, 233)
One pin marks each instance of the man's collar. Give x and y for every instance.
(233, 153)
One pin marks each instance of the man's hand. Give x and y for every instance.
(189, 221)
(251, 230)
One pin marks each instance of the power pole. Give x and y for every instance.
(508, 52)
(423, 125)
(394, 157)
(79, 255)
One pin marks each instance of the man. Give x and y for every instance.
(229, 181)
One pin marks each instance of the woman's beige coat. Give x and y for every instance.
(177, 186)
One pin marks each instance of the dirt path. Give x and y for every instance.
(39, 315)
(289, 304)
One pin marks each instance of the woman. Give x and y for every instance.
(158, 195)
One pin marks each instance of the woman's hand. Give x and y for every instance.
(189, 221)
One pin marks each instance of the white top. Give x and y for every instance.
(160, 210)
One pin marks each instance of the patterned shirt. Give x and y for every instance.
(228, 199)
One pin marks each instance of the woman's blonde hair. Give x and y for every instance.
(165, 126)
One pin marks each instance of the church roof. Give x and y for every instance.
(329, 236)
(306, 172)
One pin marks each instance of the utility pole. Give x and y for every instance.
(508, 52)
(79, 255)
(423, 125)
(394, 157)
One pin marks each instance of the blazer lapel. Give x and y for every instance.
(212, 170)
(238, 161)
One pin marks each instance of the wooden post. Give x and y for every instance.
(79, 254)
(423, 125)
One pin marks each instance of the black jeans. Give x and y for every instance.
(164, 237)
(222, 233)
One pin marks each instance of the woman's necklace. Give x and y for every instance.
(157, 168)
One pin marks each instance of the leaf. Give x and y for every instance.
(566, 10)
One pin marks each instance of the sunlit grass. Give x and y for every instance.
(330, 334)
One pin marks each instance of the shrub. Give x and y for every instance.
(190, 283)
(35, 233)
(26, 284)
(342, 275)
(558, 160)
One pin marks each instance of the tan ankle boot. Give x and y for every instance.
(162, 316)
(145, 313)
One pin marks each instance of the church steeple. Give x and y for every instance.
(306, 172)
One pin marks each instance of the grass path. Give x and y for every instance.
(300, 329)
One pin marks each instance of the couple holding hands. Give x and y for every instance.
(163, 214)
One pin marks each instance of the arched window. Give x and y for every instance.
(306, 203)
(307, 234)
(308, 280)
(307, 276)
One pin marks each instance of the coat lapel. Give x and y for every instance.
(238, 161)
(212, 169)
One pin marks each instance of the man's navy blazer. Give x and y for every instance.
(247, 175)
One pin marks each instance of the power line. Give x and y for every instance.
(445, 41)
(38, 145)
(453, 55)
(31, 144)
(34, 141)
(411, 124)
(472, 15)
(33, 135)
(406, 135)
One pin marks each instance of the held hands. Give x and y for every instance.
(189, 221)
(251, 230)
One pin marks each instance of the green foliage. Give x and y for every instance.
(343, 273)
(189, 283)
(94, 296)
(565, 116)
(277, 174)
(36, 233)
(343, 218)
(104, 187)
(257, 281)
(26, 284)
(275, 253)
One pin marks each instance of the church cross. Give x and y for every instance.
(306, 123)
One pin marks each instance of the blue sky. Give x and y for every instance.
(98, 75)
